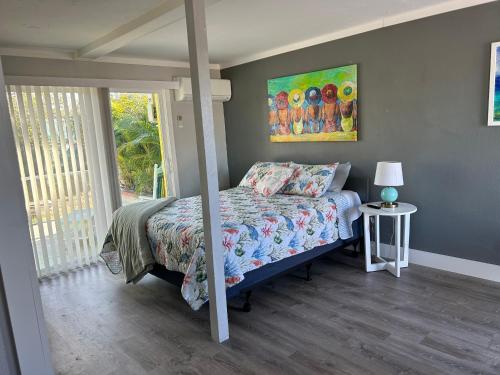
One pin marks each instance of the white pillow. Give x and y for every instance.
(340, 177)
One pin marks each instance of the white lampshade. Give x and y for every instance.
(389, 173)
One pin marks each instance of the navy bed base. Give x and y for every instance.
(270, 271)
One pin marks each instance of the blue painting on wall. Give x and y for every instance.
(494, 102)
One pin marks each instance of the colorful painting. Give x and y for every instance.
(494, 103)
(314, 107)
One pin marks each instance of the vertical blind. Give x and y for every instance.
(58, 135)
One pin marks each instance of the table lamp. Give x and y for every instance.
(389, 174)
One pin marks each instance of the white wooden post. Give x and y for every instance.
(207, 161)
(17, 265)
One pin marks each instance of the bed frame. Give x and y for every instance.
(271, 271)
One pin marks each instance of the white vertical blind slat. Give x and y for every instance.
(93, 160)
(82, 232)
(22, 170)
(52, 184)
(56, 157)
(77, 115)
(67, 177)
(35, 194)
(36, 124)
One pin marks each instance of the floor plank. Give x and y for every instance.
(344, 321)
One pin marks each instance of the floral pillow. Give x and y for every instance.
(257, 171)
(276, 177)
(310, 180)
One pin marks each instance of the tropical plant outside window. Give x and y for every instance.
(138, 144)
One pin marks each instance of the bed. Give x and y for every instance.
(263, 237)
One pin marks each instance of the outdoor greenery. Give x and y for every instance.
(137, 142)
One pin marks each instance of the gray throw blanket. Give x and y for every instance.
(126, 246)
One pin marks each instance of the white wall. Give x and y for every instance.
(185, 148)
(185, 142)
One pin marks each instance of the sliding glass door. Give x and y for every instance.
(58, 134)
(142, 146)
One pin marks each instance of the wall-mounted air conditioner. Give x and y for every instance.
(221, 90)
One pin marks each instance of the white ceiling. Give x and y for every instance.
(238, 30)
(64, 23)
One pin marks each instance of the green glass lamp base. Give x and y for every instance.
(389, 196)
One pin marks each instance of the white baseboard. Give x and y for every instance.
(447, 263)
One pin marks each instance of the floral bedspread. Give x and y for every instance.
(256, 230)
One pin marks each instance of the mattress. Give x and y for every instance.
(348, 203)
(256, 230)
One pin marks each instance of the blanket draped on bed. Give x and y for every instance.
(126, 246)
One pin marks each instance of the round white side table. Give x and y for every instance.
(403, 209)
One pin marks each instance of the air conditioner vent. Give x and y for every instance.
(221, 90)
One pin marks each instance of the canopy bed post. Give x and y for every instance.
(209, 184)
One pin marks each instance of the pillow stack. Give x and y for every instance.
(268, 178)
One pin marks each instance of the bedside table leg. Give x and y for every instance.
(397, 259)
(406, 242)
(377, 234)
(368, 249)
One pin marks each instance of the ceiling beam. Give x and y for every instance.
(113, 84)
(67, 54)
(164, 14)
(157, 18)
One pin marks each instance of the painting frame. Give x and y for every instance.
(494, 92)
(315, 106)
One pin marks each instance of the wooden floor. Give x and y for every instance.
(344, 321)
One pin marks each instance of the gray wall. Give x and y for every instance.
(423, 94)
(185, 141)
